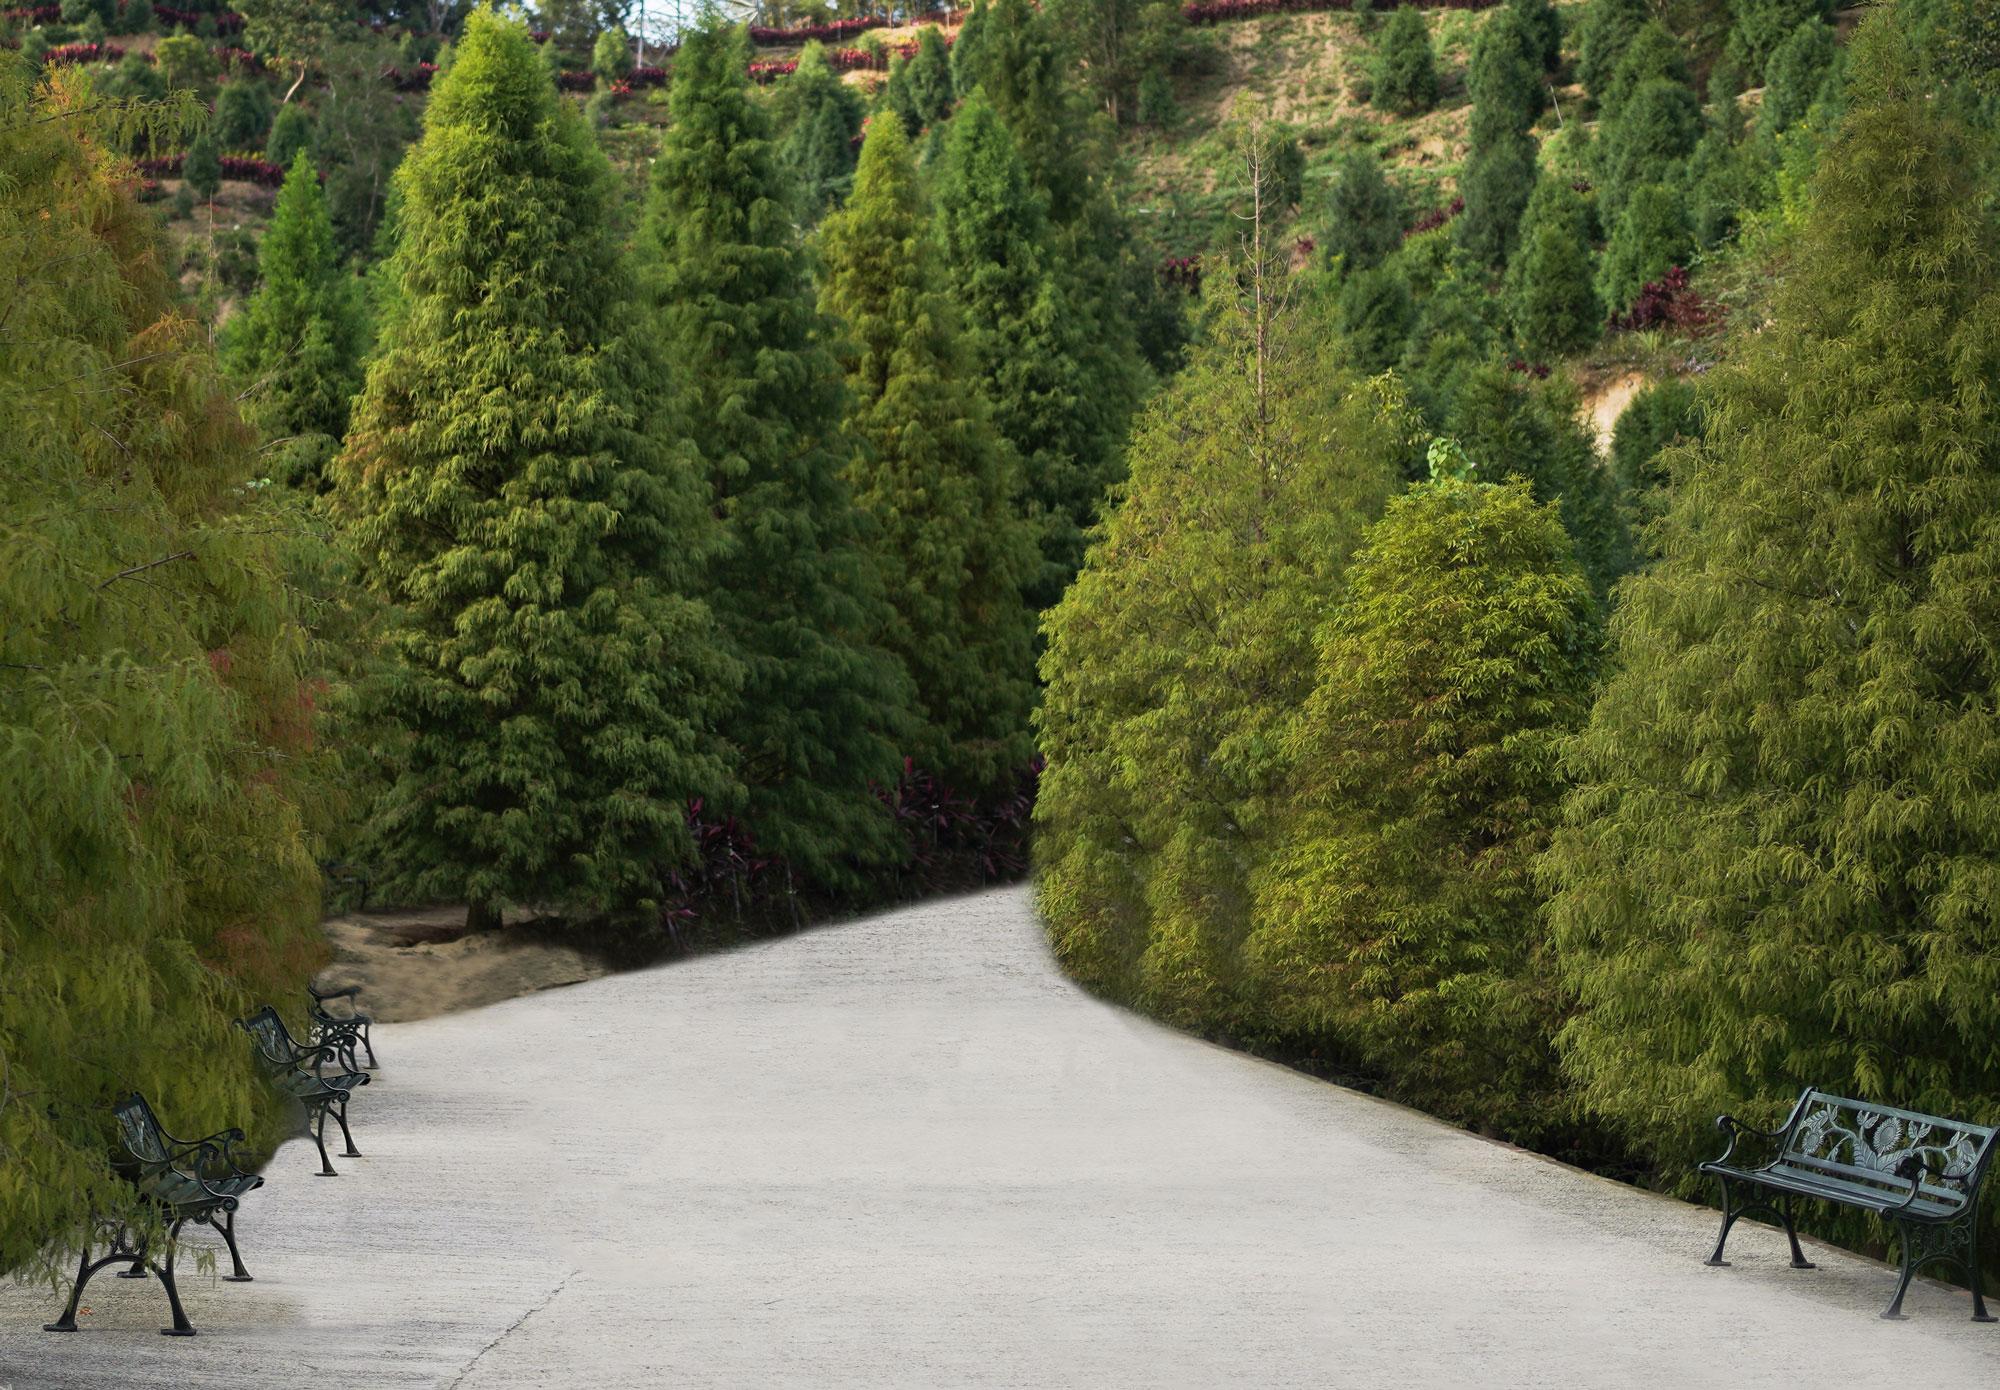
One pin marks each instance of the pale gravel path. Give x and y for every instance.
(905, 1152)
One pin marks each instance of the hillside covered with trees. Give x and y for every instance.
(1460, 533)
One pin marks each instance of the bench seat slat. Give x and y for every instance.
(1853, 1194)
(1889, 1182)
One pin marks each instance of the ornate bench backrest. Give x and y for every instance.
(1884, 1146)
(141, 1131)
(272, 1038)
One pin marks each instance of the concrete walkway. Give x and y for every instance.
(905, 1152)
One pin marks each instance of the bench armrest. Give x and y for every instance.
(1736, 1129)
(346, 992)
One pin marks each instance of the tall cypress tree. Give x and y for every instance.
(941, 487)
(553, 677)
(154, 715)
(821, 118)
(1777, 865)
(296, 348)
(822, 710)
(1023, 338)
(1365, 215)
(1505, 81)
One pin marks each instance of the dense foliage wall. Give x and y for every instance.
(155, 868)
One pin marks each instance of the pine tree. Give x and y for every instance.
(1397, 918)
(291, 132)
(202, 168)
(1405, 77)
(1656, 130)
(158, 873)
(1376, 316)
(1185, 646)
(1652, 53)
(968, 49)
(822, 709)
(1551, 299)
(1022, 338)
(1496, 185)
(242, 115)
(1651, 237)
(940, 486)
(1365, 215)
(296, 347)
(1607, 27)
(1762, 25)
(1796, 74)
(554, 680)
(821, 118)
(931, 91)
(1664, 414)
(1543, 26)
(1504, 80)
(1775, 866)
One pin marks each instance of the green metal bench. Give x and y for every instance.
(1921, 1173)
(343, 1030)
(184, 1180)
(299, 1071)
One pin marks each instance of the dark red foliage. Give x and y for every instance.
(34, 14)
(1538, 370)
(242, 167)
(1672, 303)
(1217, 11)
(771, 72)
(576, 81)
(235, 60)
(538, 35)
(417, 79)
(1436, 217)
(149, 191)
(67, 54)
(839, 29)
(647, 77)
(1182, 272)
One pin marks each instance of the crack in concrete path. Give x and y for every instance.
(511, 1329)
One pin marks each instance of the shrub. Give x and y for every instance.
(1157, 107)
(290, 133)
(186, 62)
(611, 56)
(1404, 73)
(203, 167)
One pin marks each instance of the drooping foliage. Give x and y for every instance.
(554, 679)
(1396, 915)
(156, 870)
(954, 552)
(296, 347)
(1175, 661)
(1778, 862)
(822, 709)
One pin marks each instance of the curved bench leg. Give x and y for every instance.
(182, 1327)
(1799, 1260)
(238, 1275)
(1979, 1313)
(326, 1168)
(367, 1043)
(1894, 1312)
(1728, 1220)
(85, 1268)
(345, 1133)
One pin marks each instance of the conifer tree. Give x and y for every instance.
(157, 873)
(821, 117)
(242, 115)
(1365, 214)
(1405, 77)
(1022, 338)
(1183, 649)
(1498, 180)
(822, 709)
(1795, 75)
(931, 93)
(1396, 917)
(1652, 237)
(968, 49)
(1543, 27)
(940, 486)
(291, 132)
(1664, 414)
(1607, 27)
(1775, 864)
(1652, 53)
(202, 168)
(1376, 315)
(296, 347)
(1649, 142)
(1552, 301)
(1504, 80)
(554, 680)
(1762, 25)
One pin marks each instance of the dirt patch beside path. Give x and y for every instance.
(420, 963)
